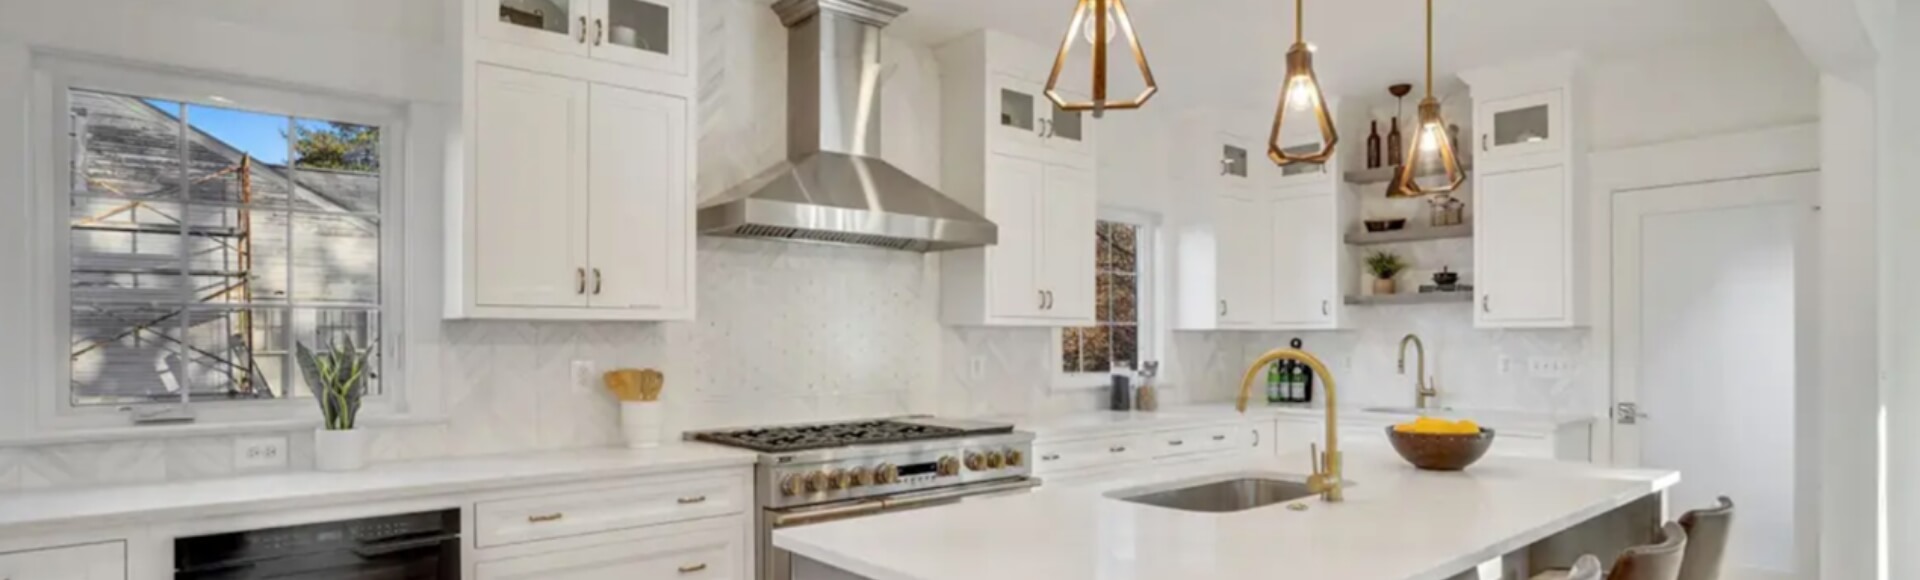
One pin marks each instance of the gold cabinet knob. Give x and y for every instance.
(995, 460)
(885, 473)
(1014, 458)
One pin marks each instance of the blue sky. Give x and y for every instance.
(255, 133)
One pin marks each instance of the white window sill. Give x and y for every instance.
(188, 430)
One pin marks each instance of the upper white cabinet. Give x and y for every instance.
(1265, 252)
(1027, 166)
(103, 561)
(644, 33)
(1530, 238)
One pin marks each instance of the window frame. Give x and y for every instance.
(1151, 330)
(49, 163)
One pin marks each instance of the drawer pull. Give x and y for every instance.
(1117, 449)
(1176, 443)
(541, 519)
(692, 499)
(691, 568)
(1219, 437)
(1050, 457)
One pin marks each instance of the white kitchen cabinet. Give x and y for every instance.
(1266, 261)
(1567, 442)
(1011, 156)
(579, 204)
(103, 561)
(679, 551)
(1242, 276)
(651, 34)
(1079, 460)
(1530, 234)
(1308, 259)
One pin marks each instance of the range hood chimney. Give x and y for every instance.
(833, 186)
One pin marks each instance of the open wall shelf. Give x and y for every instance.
(1364, 238)
(1411, 298)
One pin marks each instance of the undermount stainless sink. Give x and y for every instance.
(1409, 410)
(1225, 496)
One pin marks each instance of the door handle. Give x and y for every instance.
(1117, 449)
(582, 35)
(1256, 437)
(1050, 457)
(1176, 443)
(1326, 308)
(541, 519)
(689, 569)
(692, 499)
(1223, 308)
(1219, 437)
(1485, 303)
(1628, 413)
(1483, 141)
(579, 280)
(596, 281)
(599, 31)
(1049, 294)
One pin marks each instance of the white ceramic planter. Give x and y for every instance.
(642, 423)
(339, 450)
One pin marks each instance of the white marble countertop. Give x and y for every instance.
(1397, 522)
(1098, 423)
(131, 504)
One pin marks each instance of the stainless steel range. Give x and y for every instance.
(823, 472)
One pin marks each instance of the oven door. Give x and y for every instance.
(775, 564)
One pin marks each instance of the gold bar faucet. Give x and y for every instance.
(1423, 389)
(1326, 466)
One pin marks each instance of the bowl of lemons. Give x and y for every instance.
(1440, 444)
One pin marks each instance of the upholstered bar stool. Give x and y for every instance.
(1707, 531)
(1660, 560)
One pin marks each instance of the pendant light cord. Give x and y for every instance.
(1429, 49)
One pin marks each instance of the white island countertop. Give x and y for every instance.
(1396, 523)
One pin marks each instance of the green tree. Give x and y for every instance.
(341, 146)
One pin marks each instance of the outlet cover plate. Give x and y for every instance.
(260, 453)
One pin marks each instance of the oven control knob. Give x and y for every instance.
(885, 473)
(859, 476)
(948, 466)
(1014, 458)
(817, 481)
(794, 484)
(840, 478)
(976, 461)
(994, 460)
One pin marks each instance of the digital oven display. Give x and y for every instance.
(919, 469)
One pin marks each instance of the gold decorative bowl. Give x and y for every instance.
(1441, 452)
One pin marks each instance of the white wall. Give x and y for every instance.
(1714, 87)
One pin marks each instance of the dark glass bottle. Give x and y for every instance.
(1394, 150)
(1373, 145)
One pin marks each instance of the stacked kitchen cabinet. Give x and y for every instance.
(575, 198)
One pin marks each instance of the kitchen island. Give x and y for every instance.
(1516, 515)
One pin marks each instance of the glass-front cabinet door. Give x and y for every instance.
(1520, 125)
(645, 33)
(1019, 116)
(558, 25)
(1067, 131)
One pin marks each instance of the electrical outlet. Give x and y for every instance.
(1503, 365)
(583, 375)
(1550, 367)
(250, 453)
(977, 367)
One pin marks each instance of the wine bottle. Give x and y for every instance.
(1373, 145)
(1394, 150)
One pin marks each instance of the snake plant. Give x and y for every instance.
(338, 379)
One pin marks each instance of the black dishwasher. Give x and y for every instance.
(417, 546)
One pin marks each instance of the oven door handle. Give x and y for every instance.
(828, 513)
(391, 548)
(942, 495)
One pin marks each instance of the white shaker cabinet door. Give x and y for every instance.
(530, 179)
(1067, 273)
(640, 224)
(106, 561)
(1304, 232)
(1244, 275)
(1521, 258)
(1016, 187)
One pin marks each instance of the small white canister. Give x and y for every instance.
(344, 450)
(643, 423)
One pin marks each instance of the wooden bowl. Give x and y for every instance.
(1386, 225)
(1440, 452)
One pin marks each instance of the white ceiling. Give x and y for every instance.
(1214, 51)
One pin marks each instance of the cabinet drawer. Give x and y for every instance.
(635, 503)
(103, 561)
(677, 552)
(1088, 453)
(1201, 440)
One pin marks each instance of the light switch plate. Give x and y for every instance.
(583, 372)
(1550, 367)
(259, 453)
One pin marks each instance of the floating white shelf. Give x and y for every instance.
(1363, 238)
(1412, 298)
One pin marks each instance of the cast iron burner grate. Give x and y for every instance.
(804, 437)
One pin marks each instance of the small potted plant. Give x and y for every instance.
(338, 378)
(1384, 266)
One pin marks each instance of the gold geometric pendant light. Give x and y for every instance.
(1099, 21)
(1301, 118)
(1431, 164)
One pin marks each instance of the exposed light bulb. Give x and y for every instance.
(1113, 26)
(1429, 139)
(1300, 93)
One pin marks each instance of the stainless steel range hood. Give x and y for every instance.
(834, 187)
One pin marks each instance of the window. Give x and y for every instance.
(206, 236)
(1122, 335)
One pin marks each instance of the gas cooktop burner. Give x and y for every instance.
(819, 436)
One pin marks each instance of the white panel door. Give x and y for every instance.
(1245, 257)
(1521, 255)
(704, 555)
(645, 33)
(530, 199)
(556, 25)
(106, 561)
(1703, 318)
(1067, 272)
(1015, 187)
(1303, 260)
(640, 228)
